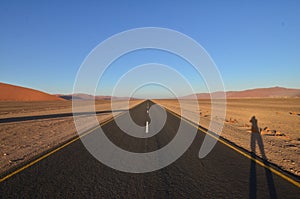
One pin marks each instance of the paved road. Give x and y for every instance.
(73, 173)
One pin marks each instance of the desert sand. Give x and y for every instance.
(279, 117)
(40, 126)
(18, 93)
(22, 139)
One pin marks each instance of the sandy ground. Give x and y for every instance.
(281, 140)
(23, 140)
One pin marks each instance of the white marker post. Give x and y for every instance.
(147, 126)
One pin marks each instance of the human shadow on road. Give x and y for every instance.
(256, 139)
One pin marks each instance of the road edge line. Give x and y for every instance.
(203, 130)
(55, 149)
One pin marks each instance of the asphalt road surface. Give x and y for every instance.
(73, 172)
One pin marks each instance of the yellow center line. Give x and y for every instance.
(61, 147)
(294, 182)
(176, 115)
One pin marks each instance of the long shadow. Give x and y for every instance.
(50, 116)
(257, 139)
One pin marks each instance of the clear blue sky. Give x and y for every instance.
(253, 43)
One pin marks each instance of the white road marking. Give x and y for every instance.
(147, 127)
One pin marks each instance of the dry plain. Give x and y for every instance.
(27, 129)
(26, 138)
(280, 117)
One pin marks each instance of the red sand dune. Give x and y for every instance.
(10, 92)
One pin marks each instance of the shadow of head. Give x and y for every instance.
(254, 128)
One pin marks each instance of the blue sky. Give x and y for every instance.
(253, 43)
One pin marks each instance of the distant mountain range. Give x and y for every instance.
(10, 92)
(273, 92)
(82, 96)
